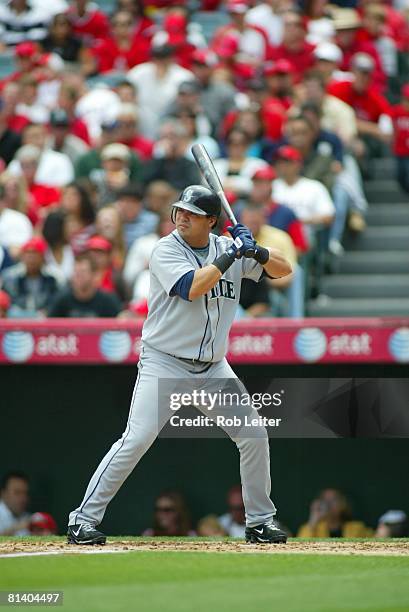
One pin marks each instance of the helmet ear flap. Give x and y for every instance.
(173, 214)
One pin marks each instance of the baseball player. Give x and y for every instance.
(195, 279)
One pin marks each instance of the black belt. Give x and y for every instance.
(193, 362)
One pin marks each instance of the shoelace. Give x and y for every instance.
(88, 527)
(273, 526)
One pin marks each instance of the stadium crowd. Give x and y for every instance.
(99, 110)
(330, 516)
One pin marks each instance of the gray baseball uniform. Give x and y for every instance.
(176, 331)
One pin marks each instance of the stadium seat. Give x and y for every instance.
(210, 21)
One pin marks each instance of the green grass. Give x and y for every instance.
(212, 582)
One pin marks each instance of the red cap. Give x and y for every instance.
(98, 243)
(289, 153)
(37, 244)
(175, 25)
(236, 6)
(228, 46)
(4, 300)
(42, 521)
(205, 57)
(405, 91)
(264, 174)
(26, 49)
(281, 66)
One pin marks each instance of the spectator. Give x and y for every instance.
(61, 40)
(169, 162)
(159, 195)
(400, 114)
(372, 109)
(10, 141)
(16, 194)
(88, 22)
(294, 46)
(300, 135)
(42, 196)
(83, 298)
(136, 273)
(8, 103)
(236, 170)
(374, 30)
(328, 58)
(61, 139)
(157, 80)
(89, 165)
(292, 287)
(54, 169)
(336, 116)
(279, 80)
(109, 277)
(115, 174)
(14, 500)
(68, 96)
(188, 101)
(80, 215)
(308, 198)
(253, 44)
(128, 132)
(209, 527)
(277, 215)
(29, 284)
(216, 96)
(21, 21)
(122, 50)
(189, 119)
(15, 228)
(266, 16)
(59, 256)
(43, 524)
(5, 301)
(347, 23)
(171, 516)
(234, 521)
(29, 104)
(26, 57)
(331, 517)
(250, 120)
(393, 524)
(136, 219)
(108, 224)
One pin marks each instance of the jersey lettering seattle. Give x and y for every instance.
(224, 288)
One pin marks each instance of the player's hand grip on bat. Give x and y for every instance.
(245, 235)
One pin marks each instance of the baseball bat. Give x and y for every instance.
(208, 170)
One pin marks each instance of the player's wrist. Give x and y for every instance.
(225, 260)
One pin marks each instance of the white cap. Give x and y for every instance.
(329, 52)
(115, 150)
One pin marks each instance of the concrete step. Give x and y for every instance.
(379, 239)
(388, 214)
(366, 286)
(374, 262)
(384, 191)
(359, 307)
(384, 168)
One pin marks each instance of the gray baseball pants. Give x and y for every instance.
(148, 415)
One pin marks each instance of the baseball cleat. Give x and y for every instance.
(267, 533)
(84, 533)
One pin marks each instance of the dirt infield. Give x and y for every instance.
(336, 547)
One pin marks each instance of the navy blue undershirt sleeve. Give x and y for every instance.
(183, 285)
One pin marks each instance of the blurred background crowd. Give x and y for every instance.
(101, 103)
(330, 516)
